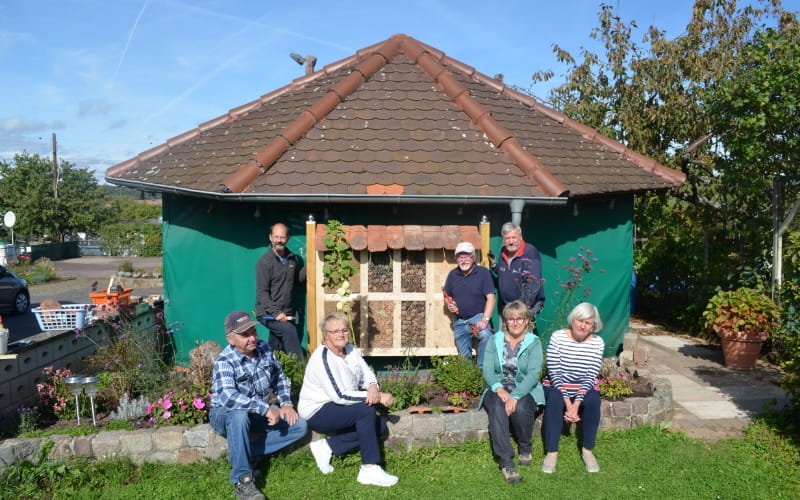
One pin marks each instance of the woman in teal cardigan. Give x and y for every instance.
(512, 368)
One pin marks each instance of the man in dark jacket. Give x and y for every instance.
(519, 271)
(277, 273)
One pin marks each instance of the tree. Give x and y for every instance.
(132, 227)
(26, 188)
(659, 99)
(758, 113)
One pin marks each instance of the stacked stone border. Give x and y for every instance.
(407, 431)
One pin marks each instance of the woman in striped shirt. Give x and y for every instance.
(574, 358)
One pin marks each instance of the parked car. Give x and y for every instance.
(14, 295)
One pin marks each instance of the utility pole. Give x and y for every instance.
(55, 168)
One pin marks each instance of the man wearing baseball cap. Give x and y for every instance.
(469, 295)
(244, 374)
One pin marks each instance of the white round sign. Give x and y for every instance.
(9, 219)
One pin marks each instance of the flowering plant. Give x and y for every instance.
(526, 282)
(741, 312)
(458, 399)
(613, 387)
(55, 398)
(573, 289)
(184, 407)
(339, 268)
(133, 361)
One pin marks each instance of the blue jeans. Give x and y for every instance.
(462, 331)
(250, 436)
(553, 421)
(501, 426)
(349, 427)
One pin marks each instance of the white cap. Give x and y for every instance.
(465, 247)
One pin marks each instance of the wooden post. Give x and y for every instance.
(485, 230)
(311, 283)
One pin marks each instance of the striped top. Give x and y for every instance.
(573, 366)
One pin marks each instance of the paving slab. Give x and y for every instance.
(710, 400)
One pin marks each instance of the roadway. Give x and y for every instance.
(73, 285)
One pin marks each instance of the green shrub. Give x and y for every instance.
(133, 361)
(616, 386)
(404, 384)
(39, 272)
(125, 266)
(457, 374)
(784, 344)
(294, 370)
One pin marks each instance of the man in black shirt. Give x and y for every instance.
(277, 272)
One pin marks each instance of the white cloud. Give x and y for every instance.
(93, 106)
(117, 124)
(17, 125)
(9, 39)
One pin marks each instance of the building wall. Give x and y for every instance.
(211, 247)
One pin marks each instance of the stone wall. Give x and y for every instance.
(406, 431)
(61, 349)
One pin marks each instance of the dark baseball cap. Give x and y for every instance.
(238, 322)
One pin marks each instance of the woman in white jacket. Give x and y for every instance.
(338, 398)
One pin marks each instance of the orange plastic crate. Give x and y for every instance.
(112, 298)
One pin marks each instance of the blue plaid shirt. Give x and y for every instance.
(241, 383)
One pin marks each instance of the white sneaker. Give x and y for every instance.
(322, 455)
(376, 475)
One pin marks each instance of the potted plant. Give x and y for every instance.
(743, 319)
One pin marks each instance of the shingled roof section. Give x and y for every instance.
(377, 238)
(396, 120)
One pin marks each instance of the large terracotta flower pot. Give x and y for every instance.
(740, 351)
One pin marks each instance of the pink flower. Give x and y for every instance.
(166, 415)
(198, 403)
(167, 404)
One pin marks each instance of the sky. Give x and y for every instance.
(114, 78)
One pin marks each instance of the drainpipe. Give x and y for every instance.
(516, 210)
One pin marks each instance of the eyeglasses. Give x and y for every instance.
(516, 320)
(343, 331)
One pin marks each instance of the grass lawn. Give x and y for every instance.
(645, 463)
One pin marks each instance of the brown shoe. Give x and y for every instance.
(511, 475)
(525, 460)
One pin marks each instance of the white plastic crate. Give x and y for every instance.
(64, 318)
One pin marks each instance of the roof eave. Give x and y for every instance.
(341, 198)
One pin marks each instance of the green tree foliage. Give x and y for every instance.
(135, 238)
(758, 119)
(675, 101)
(132, 227)
(26, 188)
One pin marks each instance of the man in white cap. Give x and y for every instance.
(244, 374)
(469, 295)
